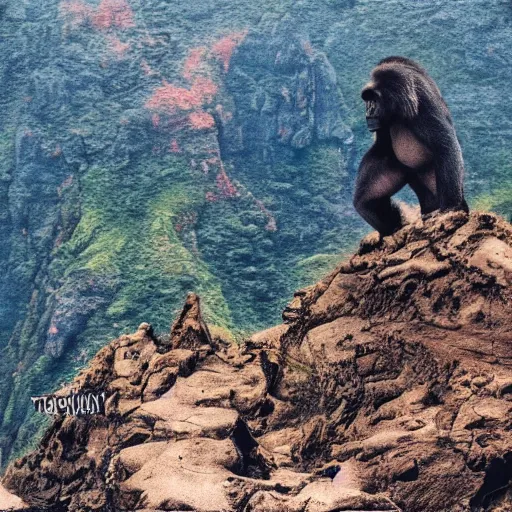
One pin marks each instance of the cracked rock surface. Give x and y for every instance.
(387, 388)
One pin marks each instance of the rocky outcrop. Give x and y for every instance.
(388, 388)
(409, 344)
(10, 502)
(189, 329)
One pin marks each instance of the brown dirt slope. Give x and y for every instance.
(387, 388)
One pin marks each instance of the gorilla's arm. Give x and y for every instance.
(438, 135)
(379, 177)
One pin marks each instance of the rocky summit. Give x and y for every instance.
(387, 388)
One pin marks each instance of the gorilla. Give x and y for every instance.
(415, 143)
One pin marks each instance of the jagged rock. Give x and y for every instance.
(390, 389)
(189, 330)
(10, 502)
(164, 369)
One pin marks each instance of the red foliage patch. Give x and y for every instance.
(76, 12)
(204, 88)
(174, 147)
(224, 185)
(185, 104)
(109, 14)
(171, 100)
(193, 62)
(201, 120)
(113, 14)
(168, 98)
(224, 47)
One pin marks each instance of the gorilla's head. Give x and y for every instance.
(391, 94)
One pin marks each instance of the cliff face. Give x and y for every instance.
(388, 387)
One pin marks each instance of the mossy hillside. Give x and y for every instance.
(260, 271)
(315, 267)
(129, 232)
(156, 268)
(496, 192)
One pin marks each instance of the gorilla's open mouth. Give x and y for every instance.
(372, 115)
